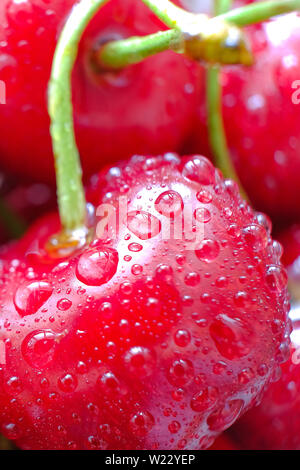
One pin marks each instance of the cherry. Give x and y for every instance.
(106, 104)
(224, 442)
(261, 118)
(142, 339)
(275, 424)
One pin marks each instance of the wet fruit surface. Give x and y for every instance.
(159, 334)
(106, 105)
(275, 423)
(261, 115)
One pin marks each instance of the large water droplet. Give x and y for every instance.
(200, 170)
(208, 250)
(256, 236)
(223, 418)
(204, 399)
(276, 278)
(67, 383)
(169, 204)
(181, 372)
(31, 297)
(143, 224)
(141, 423)
(231, 336)
(97, 266)
(38, 348)
(140, 361)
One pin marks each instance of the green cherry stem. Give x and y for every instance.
(260, 11)
(118, 54)
(71, 199)
(215, 123)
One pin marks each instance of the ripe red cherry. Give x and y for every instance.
(275, 423)
(146, 108)
(224, 442)
(261, 117)
(142, 340)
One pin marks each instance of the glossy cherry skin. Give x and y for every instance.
(275, 423)
(146, 108)
(224, 442)
(261, 118)
(142, 340)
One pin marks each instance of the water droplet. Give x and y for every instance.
(67, 383)
(181, 372)
(143, 224)
(245, 376)
(276, 278)
(202, 215)
(169, 204)
(204, 196)
(140, 361)
(141, 423)
(204, 399)
(223, 418)
(14, 386)
(182, 338)
(31, 297)
(135, 247)
(192, 279)
(11, 431)
(255, 236)
(137, 269)
(200, 170)
(174, 427)
(231, 336)
(64, 304)
(97, 266)
(208, 250)
(38, 348)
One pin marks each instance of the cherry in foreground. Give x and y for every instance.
(142, 340)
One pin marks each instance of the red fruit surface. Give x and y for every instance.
(262, 116)
(224, 442)
(146, 108)
(143, 341)
(275, 423)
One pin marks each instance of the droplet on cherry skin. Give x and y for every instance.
(29, 298)
(223, 418)
(169, 204)
(97, 266)
(200, 170)
(143, 224)
(208, 250)
(140, 361)
(38, 348)
(231, 336)
(181, 372)
(141, 423)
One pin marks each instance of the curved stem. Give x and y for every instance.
(119, 54)
(216, 130)
(260, 11)
(71, 199)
